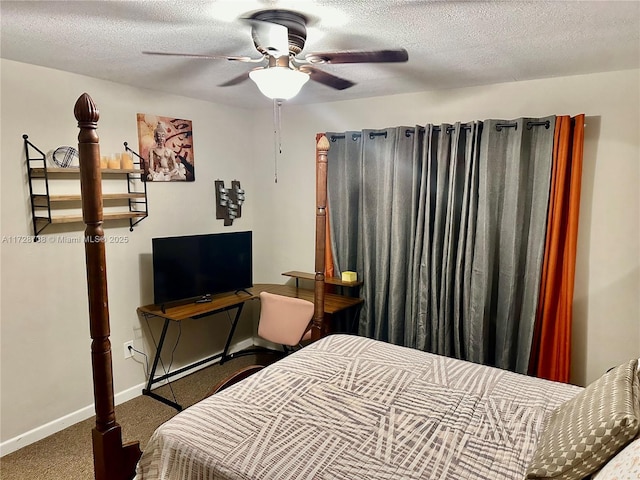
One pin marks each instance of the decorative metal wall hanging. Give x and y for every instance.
(229, 201)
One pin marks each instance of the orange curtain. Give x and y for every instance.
(551, 349)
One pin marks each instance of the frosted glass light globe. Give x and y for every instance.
(279, 82)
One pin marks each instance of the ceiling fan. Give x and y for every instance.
(279, 36)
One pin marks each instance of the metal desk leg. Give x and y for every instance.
(225, 355)
(356, 314)
(147, 391)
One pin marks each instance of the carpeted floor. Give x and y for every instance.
(67, 455)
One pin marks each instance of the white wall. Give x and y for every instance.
(607, 287)
(45, 339)
(46, 370)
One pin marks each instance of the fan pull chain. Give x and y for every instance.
(277, 134)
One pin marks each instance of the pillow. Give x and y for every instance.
(584, 432)
(624, 466)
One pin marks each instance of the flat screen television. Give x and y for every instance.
(194, 267)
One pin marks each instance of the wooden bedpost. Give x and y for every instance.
(112, 460)
(318, 329)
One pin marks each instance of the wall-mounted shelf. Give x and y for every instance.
(59, 171)
(44, 204)
(42, 199)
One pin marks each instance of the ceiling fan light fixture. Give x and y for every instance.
(280, 83)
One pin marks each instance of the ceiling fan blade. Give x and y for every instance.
(235, 80)
(272, 38)
(377, 56)
(326, 78)
(207, 57)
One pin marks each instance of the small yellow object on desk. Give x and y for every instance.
(349, 276)
(114, 161)
(126, 162)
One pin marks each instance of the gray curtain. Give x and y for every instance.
(443, 247)
(372, 196)
(344, 180)
(446, 226)
(513, 199)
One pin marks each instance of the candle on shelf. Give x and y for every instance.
(114, 161)
(104, 161)
(126, 162)
(348, 276)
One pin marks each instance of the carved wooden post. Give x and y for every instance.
(112, 461)
(318, 328)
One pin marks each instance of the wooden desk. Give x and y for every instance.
(334, 289)
(333, 304)
(191, 310)
(328, 280)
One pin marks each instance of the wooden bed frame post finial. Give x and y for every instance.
(318, 329)
(111, 459)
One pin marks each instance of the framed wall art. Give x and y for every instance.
(166, 148)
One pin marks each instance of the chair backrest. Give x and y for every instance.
(284, 320)
(234, 378)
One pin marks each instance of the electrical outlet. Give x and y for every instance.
(127, 352)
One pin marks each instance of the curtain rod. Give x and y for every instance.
(530, 125)
(465, 126)
(355, 136)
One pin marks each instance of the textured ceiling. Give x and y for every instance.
(451, 44)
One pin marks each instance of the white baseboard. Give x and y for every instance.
(72, 418)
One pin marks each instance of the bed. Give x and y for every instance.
(348, 407)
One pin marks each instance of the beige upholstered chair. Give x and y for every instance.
(284, 320)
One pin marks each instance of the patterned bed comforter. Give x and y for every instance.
(347, 407)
